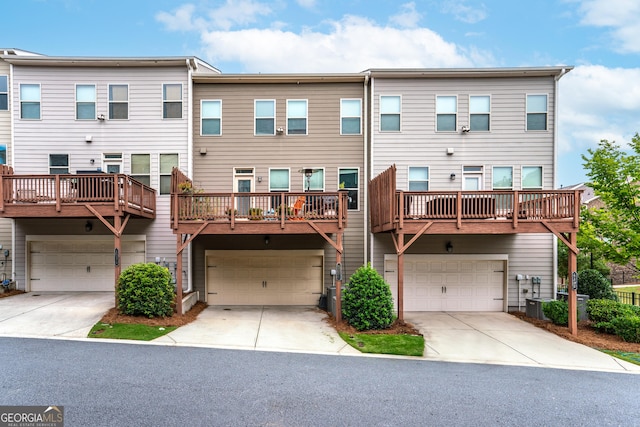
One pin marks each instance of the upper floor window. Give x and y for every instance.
(141, 168)
(85, 102)
(296, 117)
(532, 177)
(278, 179)
(446, 113)
(211, 112)
(350, 117)
(390, 113)
(4, 93)
(30, 101)
(418, 178)
(118, 102)
(167, 163)
(537, 112)
(58, 163)
(480, 113)
(348, 178)
(172, 101)
(502, 178)
(265, 117)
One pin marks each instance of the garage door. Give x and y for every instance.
(448, 284)
(264, 277)
(78, 265)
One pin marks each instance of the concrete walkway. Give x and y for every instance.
(492, 338)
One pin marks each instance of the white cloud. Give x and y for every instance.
(231, 14)
(352, 44)
(597, 103)
(622, 16)
(462, 12)
(307, 4)
(408, 17)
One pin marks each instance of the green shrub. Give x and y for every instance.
(557, 311)
(366, 301)
(594, 284)
(145, 290)
(602, 312)
(627, 328)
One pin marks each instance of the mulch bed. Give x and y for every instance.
(113, 316)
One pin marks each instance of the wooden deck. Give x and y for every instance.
(69, 196)
(471, 212)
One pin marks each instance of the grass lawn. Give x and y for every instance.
(629, 357)
(129, 331)
(404, 345)
(635, 289)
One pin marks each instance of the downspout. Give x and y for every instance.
(365, 132)
(371, 157)
(191, 66)
(13, 163)
(555, 175)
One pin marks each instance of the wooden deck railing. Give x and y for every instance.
(124, 192)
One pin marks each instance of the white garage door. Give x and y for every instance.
(449, 284)
(78, 265)
(264, 277)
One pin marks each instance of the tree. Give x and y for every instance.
(613, 231)
(586, 260)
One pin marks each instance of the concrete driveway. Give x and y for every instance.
(496, 338)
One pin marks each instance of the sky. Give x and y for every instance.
(599, 99)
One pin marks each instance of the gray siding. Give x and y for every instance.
(323, 147)
(506, 144)
(145, 132)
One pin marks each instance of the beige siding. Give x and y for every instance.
(323, 147)
(145, 132)
(6, 263)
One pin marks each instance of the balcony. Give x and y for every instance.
(471, 212)
(69, 196)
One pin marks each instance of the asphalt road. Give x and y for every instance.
(113, 384)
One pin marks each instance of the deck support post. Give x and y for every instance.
(573, 297)
(117, 249)
(400, 277)
(179, 249)
(339, 280)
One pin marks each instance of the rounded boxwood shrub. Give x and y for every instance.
(145, 290)
(366, 300)
(602, 312)
(627, 328)
(594, 284)
(557, 311)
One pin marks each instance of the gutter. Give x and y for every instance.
(365, 184)
(191, 67)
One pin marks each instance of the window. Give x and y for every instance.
(112, 162)
(536, 112)
(418, 178)
(265, 116)
(390, 113)
(349, 177)
(297, 117)
(211, 113)
(172, 101)
(446, 113)
(479, 113)
(531, 177)
(315, 182)
(58, 163)
(118, 102)
(278, 179)
(30, 101)
(141, 168)
(167, 163)
(350, 117)
(502, 178)
(85, 102)
(4, 93)
(3, 154)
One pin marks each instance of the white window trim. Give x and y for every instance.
(255, 117)
(541, 177)
(288, 183)
(68, 167)
(358, 189)
(435, 124)
(481, 173)
(418, 166)
(7, 92)
(489, 112)
(95, 101)
(39, 100)
(160, 174)
(513, 178)
(380, 113)
(202, 117)
(526, 113)
(109, 102)
(162, 85)
(324, 178)
(306, 117)
(342, 116)
(150, 174)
